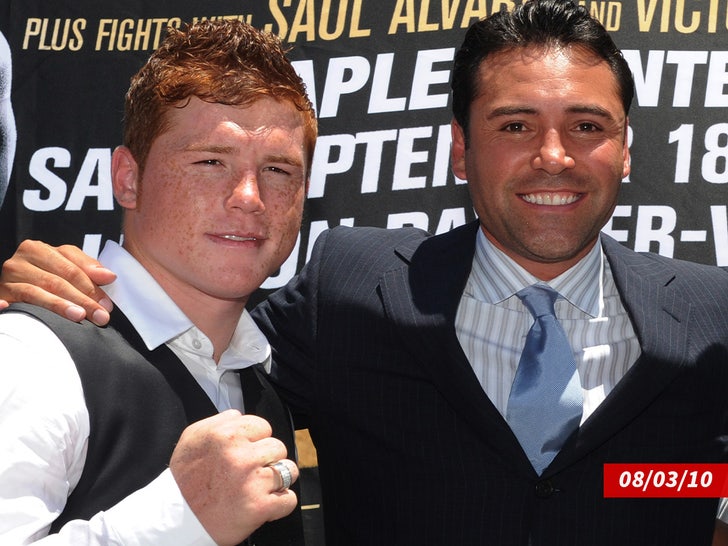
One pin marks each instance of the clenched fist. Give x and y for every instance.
(222, 467)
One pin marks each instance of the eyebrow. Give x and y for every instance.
(510, 111)
(209, 149)
(504, 111)
(288, 160)
(222, 150)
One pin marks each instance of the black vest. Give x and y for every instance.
(139, 401)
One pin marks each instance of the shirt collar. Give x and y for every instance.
(158, 320)
(495, 277)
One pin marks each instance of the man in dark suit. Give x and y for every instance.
(399, 350)
(218, 141)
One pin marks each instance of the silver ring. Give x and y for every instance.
(284, 473)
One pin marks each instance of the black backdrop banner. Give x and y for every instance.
(378, 73)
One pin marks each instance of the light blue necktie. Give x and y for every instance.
(545, 404)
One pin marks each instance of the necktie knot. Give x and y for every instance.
(539, 299)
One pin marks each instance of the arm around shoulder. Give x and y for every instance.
(62, 279)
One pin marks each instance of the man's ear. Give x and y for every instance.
(457, 151)
(125, 177)
(626, 159)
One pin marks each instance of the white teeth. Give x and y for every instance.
(238, 238)
(552, 199)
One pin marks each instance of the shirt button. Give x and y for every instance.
(196, 343)
(544, 489)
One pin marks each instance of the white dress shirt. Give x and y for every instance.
(492, 323)
(44, 422)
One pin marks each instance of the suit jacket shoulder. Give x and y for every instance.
(371, 245)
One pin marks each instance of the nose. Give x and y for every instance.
(245, 195)
(552, 157)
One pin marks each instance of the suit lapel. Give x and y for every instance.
(659, 313)
(422, 300)
(661, 318)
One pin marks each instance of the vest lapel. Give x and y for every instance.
(196, 403)
(259, 398)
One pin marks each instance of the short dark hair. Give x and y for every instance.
(534, 23)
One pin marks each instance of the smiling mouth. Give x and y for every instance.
(238, 238)
(550, 199)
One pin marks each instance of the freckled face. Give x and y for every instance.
(219, 205)
(546, 156)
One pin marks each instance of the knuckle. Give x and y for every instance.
(10, 268)
(27, 245)
(67, 249)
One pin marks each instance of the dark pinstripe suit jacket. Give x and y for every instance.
(412, 451)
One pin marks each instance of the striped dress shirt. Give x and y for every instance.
(492, 323)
